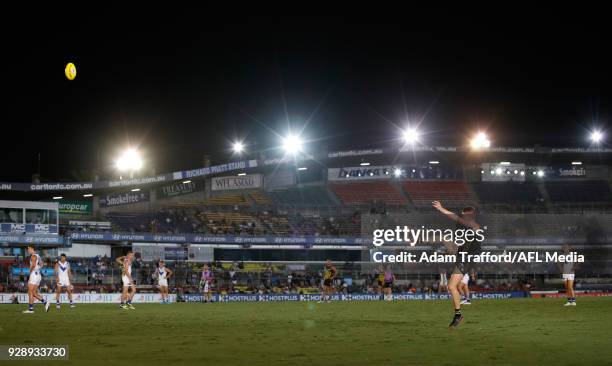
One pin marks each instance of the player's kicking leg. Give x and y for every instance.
(453, 287)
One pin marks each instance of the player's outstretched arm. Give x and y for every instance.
(453, 216)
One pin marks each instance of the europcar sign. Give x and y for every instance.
(75, 207)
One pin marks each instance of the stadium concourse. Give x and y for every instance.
(266, 226)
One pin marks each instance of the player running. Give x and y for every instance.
(569, 274)
(329, 274)
(388, 284)
(206, 283)
(465, 221)
(34, 281)
(63, 275)
(163, 274)
(127, 280)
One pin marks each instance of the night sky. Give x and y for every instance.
(179, 88)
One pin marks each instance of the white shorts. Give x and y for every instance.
(64, 282)
(163, 282)
(568, 276)
(35, 278)
(206, 287)
(466, 279)
(126, 281)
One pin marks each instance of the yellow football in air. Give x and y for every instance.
(70, 71)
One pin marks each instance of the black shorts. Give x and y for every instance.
(380, 283)
(328, 282)
(388, 285)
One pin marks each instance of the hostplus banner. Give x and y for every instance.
(345, 297)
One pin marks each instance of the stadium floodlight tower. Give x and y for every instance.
(480, 141)
(410, 136)
(129, 162)
(596, 137)
(238, 147)
(292, 144)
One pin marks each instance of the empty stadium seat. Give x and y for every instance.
(236, 199)
(450, 193)
(260, 198)
(368, 192)
(305, 196)
(574, 191)
(507, 192)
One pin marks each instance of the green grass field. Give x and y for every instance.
(495, 332)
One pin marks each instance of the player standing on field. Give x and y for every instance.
(329, 274)
(467, 220)
(127, 280)
(63, 280)
(34, 281)
(163, 274)
(206, 282)
(388, 279)
(569, 274)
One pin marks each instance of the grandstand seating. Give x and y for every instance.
(368, 192)
(236, 199)
(450, 193)
(305, 196)
(507, 192)
(576, 191)
(328, 225)
(164, 221)
(244, 223)
(260, 198)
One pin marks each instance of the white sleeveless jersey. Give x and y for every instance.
(38, 264)
(63, 269)
(161, 272)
